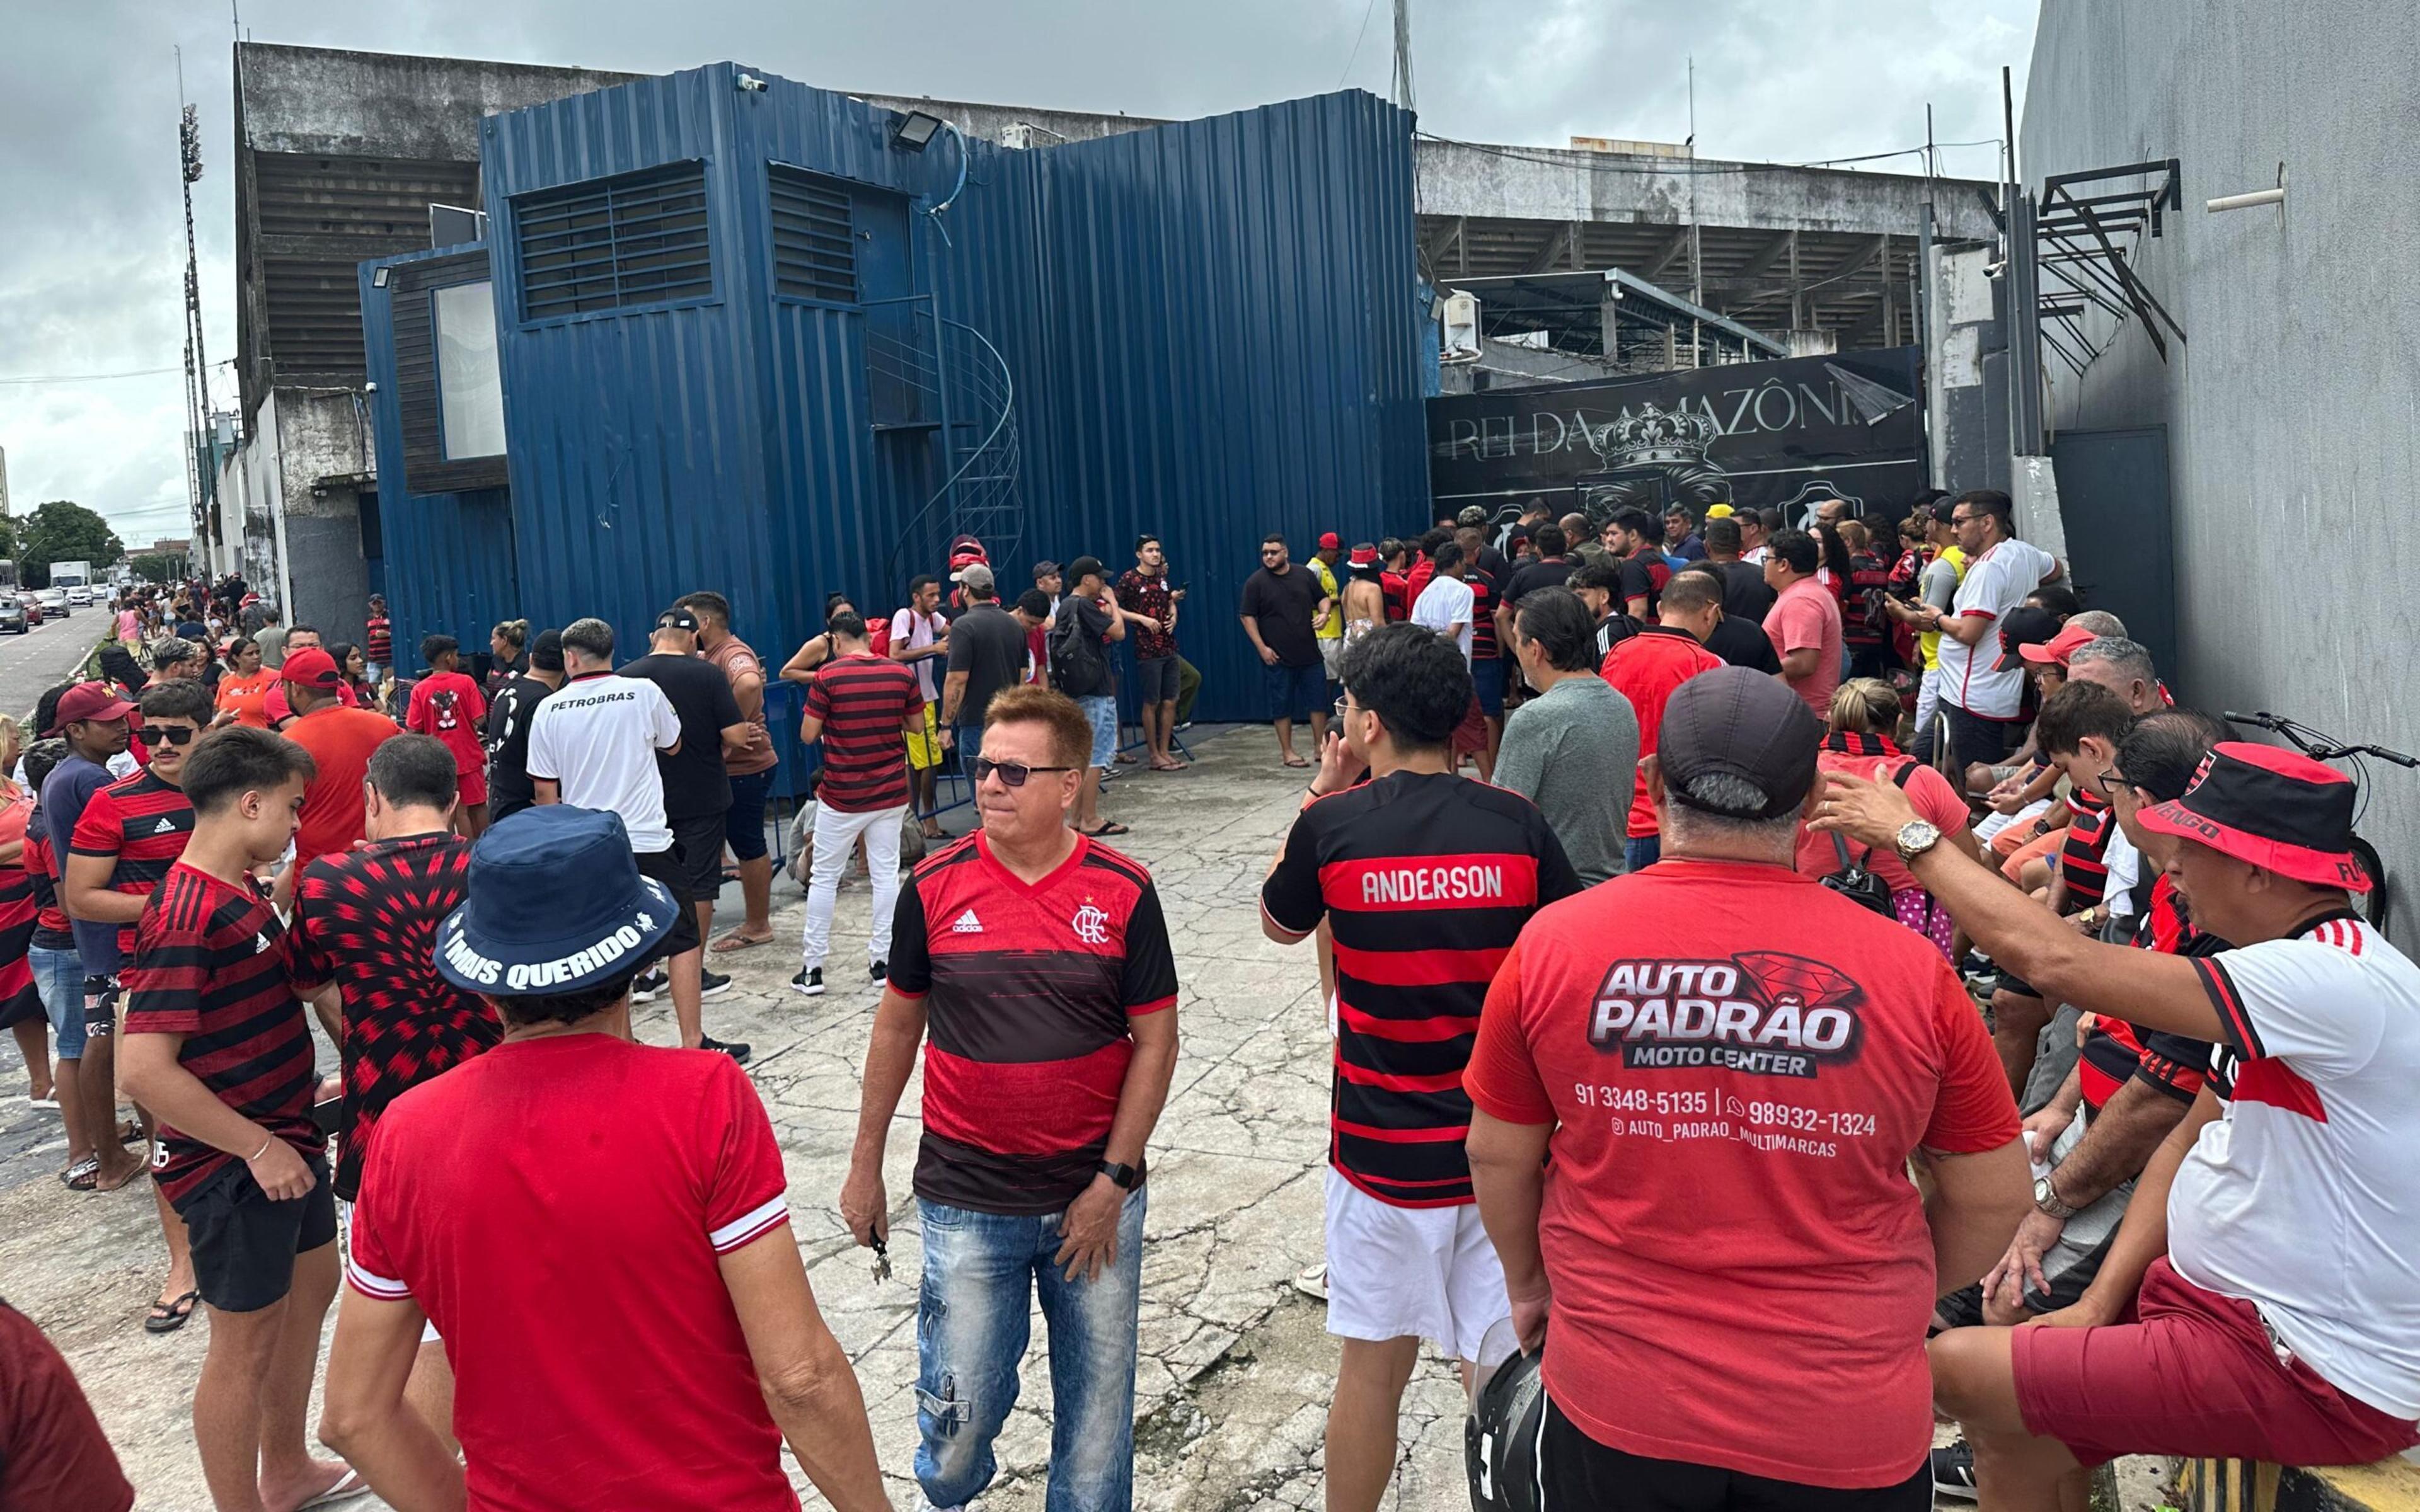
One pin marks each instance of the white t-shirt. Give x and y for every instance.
(2302, 1200)
(912, 629)
(1995, 582)
(1445, 603)
(2125, 865)
(597, 737)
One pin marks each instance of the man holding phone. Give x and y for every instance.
(1149, 608)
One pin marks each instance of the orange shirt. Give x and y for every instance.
(248, 696)
(340, 741)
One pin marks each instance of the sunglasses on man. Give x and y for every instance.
(178, 735)
(1012, 773)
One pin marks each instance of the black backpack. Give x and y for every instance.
(1078, 667)
(1865, 888)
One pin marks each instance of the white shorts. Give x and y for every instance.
(1990, 825)
(1411, 1272)
(345, 1214)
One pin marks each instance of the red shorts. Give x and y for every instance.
(472, 786)
(2197, 1377)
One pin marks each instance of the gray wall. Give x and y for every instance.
(2293, 408)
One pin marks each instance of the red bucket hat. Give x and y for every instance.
(2280, 810)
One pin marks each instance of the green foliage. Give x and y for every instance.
(153, 566)
(62, 531)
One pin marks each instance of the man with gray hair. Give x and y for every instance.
(1695, 1091)
(2122, 665)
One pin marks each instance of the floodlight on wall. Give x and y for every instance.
(2245, 201)
(378, 277)
(915, 130)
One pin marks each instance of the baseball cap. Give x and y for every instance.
(1719, 511)
(554, 903)
(977, 576)
(310, 668)
(1736, 722)
(1942, 510)
(673, 619)
(546, 652)
(1364, 556)
(87, 701)
(1043, 569)
(2278, 810)
(2055, 652)
(1330, 542)
(1084, 567)
(2025, 625)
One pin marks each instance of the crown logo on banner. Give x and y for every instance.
(1651, 436)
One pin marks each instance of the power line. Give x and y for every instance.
(1367, 11)
(92, 378)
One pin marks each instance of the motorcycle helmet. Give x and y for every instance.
(1508, 1412)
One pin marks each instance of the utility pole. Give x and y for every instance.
(1403, 79)
(189, 152)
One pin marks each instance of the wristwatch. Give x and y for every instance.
(1915, 837)
(2046, 1198)
(1126, 1176)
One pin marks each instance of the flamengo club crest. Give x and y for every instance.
(1090, 924)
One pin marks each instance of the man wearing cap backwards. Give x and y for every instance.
(2267, 1255)
(1424, 879)
(1731, 1067)
(1038, 960)
(340, 740)
(1330, 629)
(650, 1175)
(218, 1049)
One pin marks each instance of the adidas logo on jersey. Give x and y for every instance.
(260, 943)
(165, 826)
(967, 924)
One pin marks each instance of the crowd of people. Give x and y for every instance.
(1850, 990)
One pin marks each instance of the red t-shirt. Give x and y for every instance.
(449, 705)
(1737, 1063)
(340, 742)
(276, 707)
(53, 1454)
(1873, 759)
(1645, 669)
(1808, 616)
(632, 1170)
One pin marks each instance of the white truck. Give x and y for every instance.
(71, 575)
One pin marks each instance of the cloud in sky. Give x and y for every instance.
(92, 264)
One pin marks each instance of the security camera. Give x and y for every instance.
(750, 83)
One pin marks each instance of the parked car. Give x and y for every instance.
(12, 615)
(54, 603)
(33, 605)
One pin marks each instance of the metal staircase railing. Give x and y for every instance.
(927, 372)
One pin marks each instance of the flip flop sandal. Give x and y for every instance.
(130, 1133)
(732, 943)
(1105, 831)
(349, 1485)
(82, 1176)
(168, 1316)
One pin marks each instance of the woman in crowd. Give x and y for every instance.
(1365, 594)
(509, 641)
(354, 667)
(800, 669)
(243, 692)
(1865, 711)
(21, 1006)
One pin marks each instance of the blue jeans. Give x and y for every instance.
(1642, 851)
(972, 1313)
(59, 977)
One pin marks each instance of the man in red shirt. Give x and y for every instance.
(340, 740)
(1645, 669)
(1803, 624)
(1697, 1090)
(217, 1048)
(377, 641)
(53, 1454)
(651, 1174)
(1038, 960)
(862, 707)
(447, 703)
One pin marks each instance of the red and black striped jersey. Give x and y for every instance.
(864, 702)
(210, 963)
(1425, 880)
(368, 921)
(141, 824)
(2083, 855)
(2116, 1052)
(1028, 991)
(52, 931)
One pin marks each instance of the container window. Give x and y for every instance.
(470, 390)
(815, 245)
(611, 244)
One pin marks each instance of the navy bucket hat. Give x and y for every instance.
(555, 905)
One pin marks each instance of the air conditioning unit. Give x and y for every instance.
(1458, 323)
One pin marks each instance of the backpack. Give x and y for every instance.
(1078, 667)
(1853, 881)
(877, 636)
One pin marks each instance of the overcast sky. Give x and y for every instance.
(92, 232)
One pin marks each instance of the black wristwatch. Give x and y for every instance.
(1126, 1176)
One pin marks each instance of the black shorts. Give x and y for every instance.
(743, 822)
(698, 843)
(1155, 680)
(667, 867)
(243, 1244)
(99, 1007)
(1977, 741)
(1577, 1472)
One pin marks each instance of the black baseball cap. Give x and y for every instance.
(676, 618)
(1736, 722)
(546, 652)
(2025, 625)
(1084, 567)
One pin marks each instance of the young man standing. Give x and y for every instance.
(1150, 611)
(340, 741)
(1746, 598)
(918, 635)
(1446, 606)
(1803, 624)
(122, 846)
(1645, 670)
(1039, 962)
(447, 703)
(1090, 622)
(216, 1045)
(1634, 539)
(92, 718)
(1282, 611)
(750, 770)
(365, 947)
(862, 707)
(989, 647)
(1980, 697)
(509, 717)
(593, 745)
(651, 1174)
(1573, 751)
(1425, 880)
(378, 641)
(1330, 633)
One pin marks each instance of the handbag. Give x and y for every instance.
(1868, 889)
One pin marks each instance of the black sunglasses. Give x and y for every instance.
(1012, 773)
(179, 735)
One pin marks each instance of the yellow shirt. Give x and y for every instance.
(1334, 628)
(1930, 641)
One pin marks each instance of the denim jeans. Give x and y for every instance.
(981, 1271)
(59, 977)
(1642, 851)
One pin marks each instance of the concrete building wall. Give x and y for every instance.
(2291, 408)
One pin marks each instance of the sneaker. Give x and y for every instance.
(879, 971)
(650, 987)
(1953, 1470)
(810, 981)
(1187, 724)
(736, 1051)
(1313, 1282)
(712, 984)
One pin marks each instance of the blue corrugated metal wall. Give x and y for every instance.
(1206, 324)
(448, 556)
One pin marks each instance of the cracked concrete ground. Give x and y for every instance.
(1235, 1365)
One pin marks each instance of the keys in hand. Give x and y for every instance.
(881, 1261)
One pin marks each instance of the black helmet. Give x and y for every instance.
(1508, 1408)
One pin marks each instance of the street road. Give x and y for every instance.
(42, 655)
